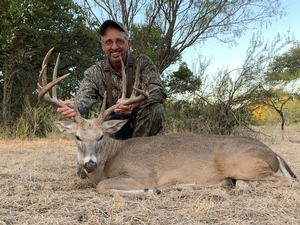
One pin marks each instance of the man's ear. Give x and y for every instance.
(129, 44)
(112, 126)
(102, 45)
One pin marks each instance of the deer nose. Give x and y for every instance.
(90, 166)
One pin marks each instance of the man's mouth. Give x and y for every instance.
(115, 54)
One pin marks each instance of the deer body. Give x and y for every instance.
(163, 161)
(158, 162)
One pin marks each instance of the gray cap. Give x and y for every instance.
(112, 23)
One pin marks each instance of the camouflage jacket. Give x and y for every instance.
(93, 85)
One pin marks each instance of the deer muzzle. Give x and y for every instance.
(90, 166)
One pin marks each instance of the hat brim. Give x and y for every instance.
(112, 23)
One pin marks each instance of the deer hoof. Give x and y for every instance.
(152, 190)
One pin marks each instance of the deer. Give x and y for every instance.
(156, 163)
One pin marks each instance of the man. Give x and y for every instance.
(145, 118)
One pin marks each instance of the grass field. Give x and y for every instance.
(39, 185)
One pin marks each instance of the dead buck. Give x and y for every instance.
(152, 163)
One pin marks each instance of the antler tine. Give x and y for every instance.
(137, 79)
(42, 77)
(124, 80)
(43, 87)
(54, 76)
(143, 93)
(133, 99)
(136, 84)
(102, 114)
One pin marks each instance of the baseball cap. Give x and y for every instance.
(112, 23)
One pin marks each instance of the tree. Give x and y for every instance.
(276, 99)
(286, 67)
(282, 70)
(182, 81)
(151, 44)
(28, 30)
(186, 22)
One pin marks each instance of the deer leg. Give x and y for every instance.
(279, 180)
(124, 185)
(227, 182)
(273, 179)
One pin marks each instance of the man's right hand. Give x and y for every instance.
(68, 111)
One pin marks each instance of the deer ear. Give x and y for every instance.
(66, 126)
(112, 126)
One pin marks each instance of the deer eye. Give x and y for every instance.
(77, 138)
(100, 138)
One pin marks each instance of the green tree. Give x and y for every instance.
(182, 81)
(151, 44)
(286, 67)
(29, 28)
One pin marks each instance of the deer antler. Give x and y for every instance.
(44, 96)
(43, 87)
(143, 94)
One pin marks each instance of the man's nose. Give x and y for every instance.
(114, 45)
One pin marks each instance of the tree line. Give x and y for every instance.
(160, 29)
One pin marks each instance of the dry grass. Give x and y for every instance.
(39, 186)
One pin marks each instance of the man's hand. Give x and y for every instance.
(126, 109)
(68, 111)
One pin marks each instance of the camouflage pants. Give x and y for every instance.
(147, 121)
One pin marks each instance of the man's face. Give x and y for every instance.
(115, 44)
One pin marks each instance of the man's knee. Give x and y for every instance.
(149, 120)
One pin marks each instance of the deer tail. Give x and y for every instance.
(285, 169)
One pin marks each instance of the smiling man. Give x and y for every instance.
(145, 118)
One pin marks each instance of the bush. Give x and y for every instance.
(197, 116)
(34, 121)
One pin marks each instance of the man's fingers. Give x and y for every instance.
(68, 112)
(63, 109)
(124, 109)
(68, 103)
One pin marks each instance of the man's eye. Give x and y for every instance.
(120, 41)
(108, 42)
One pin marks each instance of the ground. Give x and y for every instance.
(39, 185)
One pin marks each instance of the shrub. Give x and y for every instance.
(34, 121)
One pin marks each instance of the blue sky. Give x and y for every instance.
(222, 56)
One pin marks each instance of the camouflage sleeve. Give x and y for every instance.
(90, 89)
(157, 93)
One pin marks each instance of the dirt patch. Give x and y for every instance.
(39, 185)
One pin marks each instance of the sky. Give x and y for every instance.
(232, 57)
